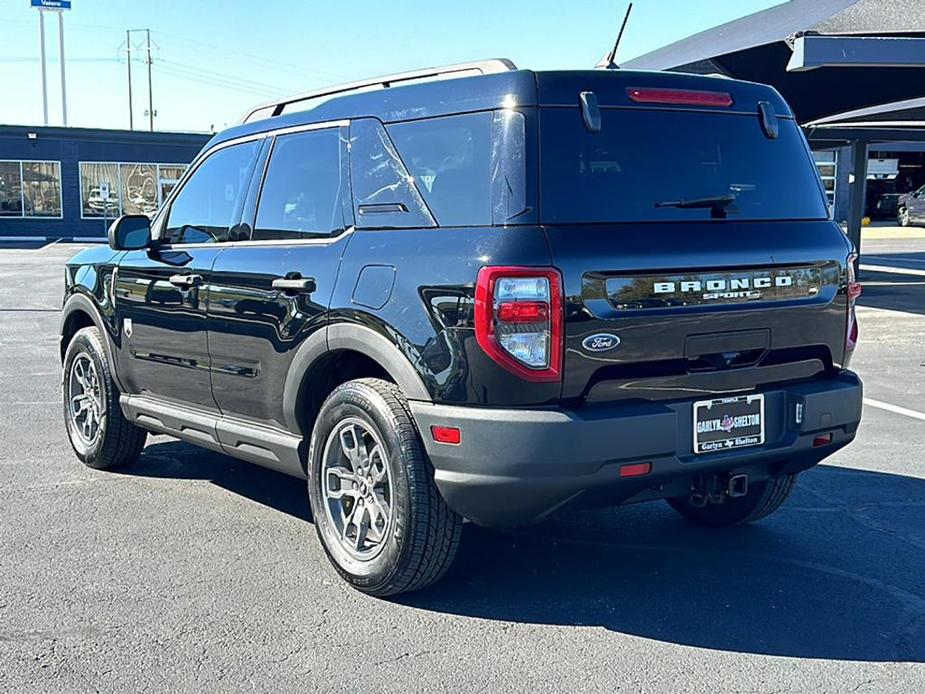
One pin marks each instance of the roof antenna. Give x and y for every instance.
(609, 62)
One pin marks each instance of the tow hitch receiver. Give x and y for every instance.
(715, 489)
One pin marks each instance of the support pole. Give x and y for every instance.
(42, 60)
(857, 188)
(150, 93)
(61, 58)
(128, 61)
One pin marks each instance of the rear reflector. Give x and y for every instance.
(635, 469)
(688, 97)
(822, 440)
(446, 434)
(854, 290)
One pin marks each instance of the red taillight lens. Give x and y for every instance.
(687, 97)
(519, 320)
(854, 289)
(523, 311)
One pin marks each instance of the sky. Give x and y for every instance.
(215, 59)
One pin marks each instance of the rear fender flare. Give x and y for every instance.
(356, 338)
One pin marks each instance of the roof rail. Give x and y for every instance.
(481, 67)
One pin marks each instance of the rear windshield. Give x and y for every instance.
(643, 157)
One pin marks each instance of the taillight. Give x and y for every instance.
(687, 97)
(518, 320)
(854, 289)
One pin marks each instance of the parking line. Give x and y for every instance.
(894, 408)
(893, 270)
(895, 259)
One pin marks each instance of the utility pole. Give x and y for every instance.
(42, 58)
(61, 58)
(128, 61)
(150, 94)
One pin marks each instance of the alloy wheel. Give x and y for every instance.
(85, 401)
(357, 489)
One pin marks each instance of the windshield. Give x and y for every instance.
(649, 164)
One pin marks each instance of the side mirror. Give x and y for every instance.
(130, 232)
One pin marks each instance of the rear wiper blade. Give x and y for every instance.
(719, 204)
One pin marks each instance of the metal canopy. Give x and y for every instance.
(900, 121)
(841, 62)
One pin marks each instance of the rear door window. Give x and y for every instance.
(643, 157)
(304, 189)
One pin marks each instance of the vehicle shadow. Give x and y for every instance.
(897, 292)
(835, 574)
(178, 460)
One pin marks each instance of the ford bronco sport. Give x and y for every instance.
(481, 293)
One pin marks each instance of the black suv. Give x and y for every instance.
(481, 293)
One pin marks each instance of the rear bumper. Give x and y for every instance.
(513, 467)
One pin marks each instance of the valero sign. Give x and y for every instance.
(52, 4)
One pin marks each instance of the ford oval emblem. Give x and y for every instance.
(600, 342)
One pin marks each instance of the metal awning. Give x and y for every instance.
(824, 56)
(900, 121)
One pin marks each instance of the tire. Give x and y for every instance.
(762, 499)
(365, 425)
(116, 441)
(903, 217)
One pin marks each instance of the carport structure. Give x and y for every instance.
(852, 70)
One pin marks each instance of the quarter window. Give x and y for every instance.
(209, 204)
(303, 192)
(450, 160)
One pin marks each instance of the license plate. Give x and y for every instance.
(725, 424)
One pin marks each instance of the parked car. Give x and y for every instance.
(911, 208)
(481, 293)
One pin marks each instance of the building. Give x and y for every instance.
(70, 183)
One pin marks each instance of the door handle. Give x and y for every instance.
(185, 281)
(295, 285)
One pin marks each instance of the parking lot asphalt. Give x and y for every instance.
(193, 572)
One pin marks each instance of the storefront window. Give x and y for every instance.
(99, 190)
(41, 188)
(168, 177)
(10, 189)
(111, 188)
(139, 188)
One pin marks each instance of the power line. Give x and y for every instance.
(222, 75)
(275, 63)
(222, 84)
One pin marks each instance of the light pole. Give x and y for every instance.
(42, 60)
(58, 6)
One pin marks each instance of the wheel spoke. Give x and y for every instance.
(359, 522)
(351, 445)
(379, 507)
(78, 404)
(340, 483)
(377, 465)
(79, 374)
(88, 424)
